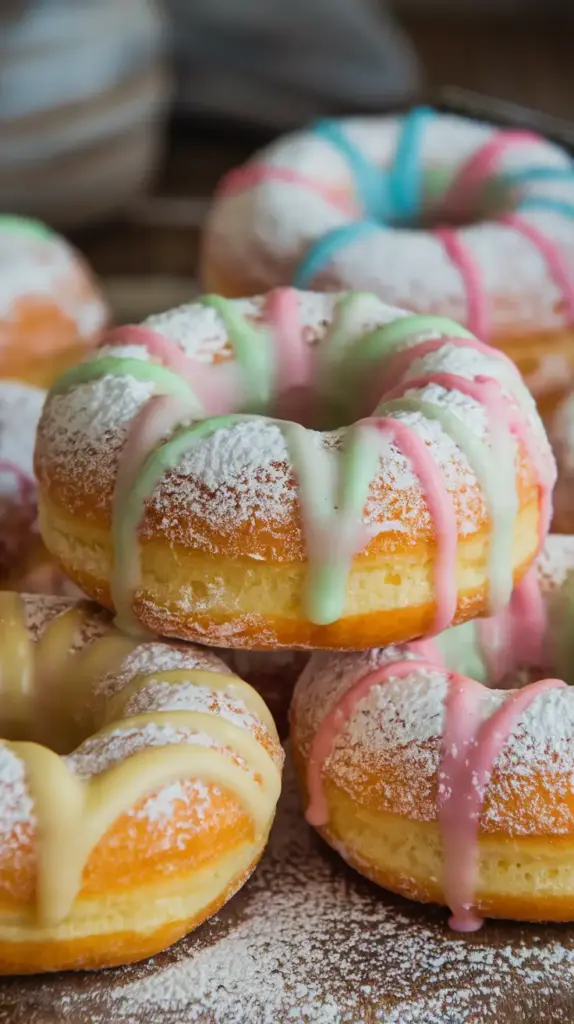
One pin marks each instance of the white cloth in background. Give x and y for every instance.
(281, 62)
(83, 90)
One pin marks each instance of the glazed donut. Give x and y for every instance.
(561, 436)
(167, 494)
(432, 212)
(439, 788)
(50, 308)
(111, 851)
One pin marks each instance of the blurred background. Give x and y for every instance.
(118, 117)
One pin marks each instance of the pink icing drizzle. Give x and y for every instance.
(470, 748)
(480, 166)
(252, 175)
(26, 485)
(442, 512)
(502, 413)
(294, 363)
(521, 626)
(399, 363)
(216, 385)
(154, 422)
(317, 812)
(557, 264)
(477, 319)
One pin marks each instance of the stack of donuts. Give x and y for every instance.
(346, 484)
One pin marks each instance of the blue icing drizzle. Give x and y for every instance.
(321, 252)
(386, 196)
(370, 181)
(560, 206)
(406, 177)
(528, 174)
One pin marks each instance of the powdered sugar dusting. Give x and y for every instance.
(150, 658)
(47, 269)
(309, 941)
(395, 733)
(16, 808)
(242, 474)
(99, 753)
(160, 696)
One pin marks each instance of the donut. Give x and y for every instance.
(180, 486)
(24, 562)
(51, 310)
(138, 783)
(20, 544)
(441, 769)
(435, 213)
(561, 436)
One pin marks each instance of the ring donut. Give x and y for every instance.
(438, 787)
(186, 483)
(432, 212)
(51, 310)
(138, 783)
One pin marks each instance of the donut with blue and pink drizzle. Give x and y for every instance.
(293, 470)
(433, 212)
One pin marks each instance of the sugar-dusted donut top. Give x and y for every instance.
(39, 268)
(291, 214)
(223, 454)
(401, 721)
(243, 470)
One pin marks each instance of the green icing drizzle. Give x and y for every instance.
(253, 351)
(333, 484)
(461, 651)
(167, 382)
(127, 566)
(333, 489)
(15, 225)
(496, 475)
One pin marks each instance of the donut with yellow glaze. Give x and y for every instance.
(439, 771)
(138, 783)
(51, 310)
(198, 475)
(433, 212)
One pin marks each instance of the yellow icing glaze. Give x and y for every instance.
(73, 813)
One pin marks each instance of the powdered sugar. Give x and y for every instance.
(309, 941)
(47, 269)
(16, 808)
(395, 733)
(161, 696)
(150, 658)
(99, 753)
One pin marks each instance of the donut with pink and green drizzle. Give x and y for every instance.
(442, 768)
(294, 470)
